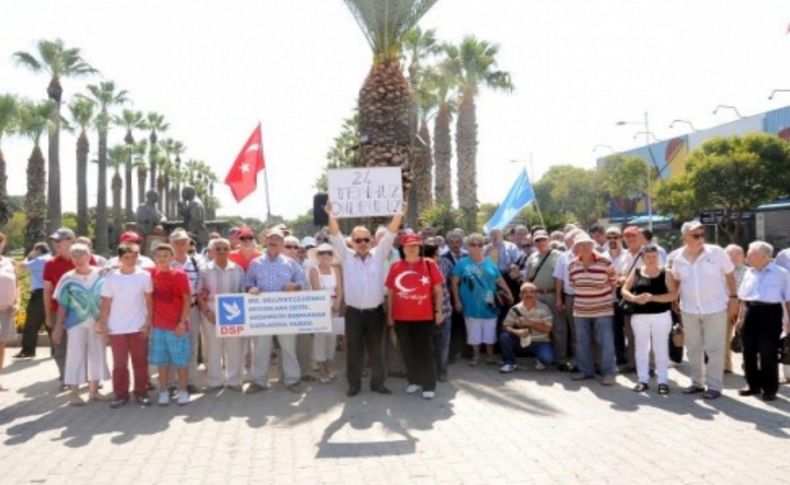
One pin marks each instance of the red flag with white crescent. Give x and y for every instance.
(242, 177)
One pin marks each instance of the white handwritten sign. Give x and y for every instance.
(365, 192)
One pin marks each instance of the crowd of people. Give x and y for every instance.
(593, 303)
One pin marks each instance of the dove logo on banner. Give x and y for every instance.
(231, 310)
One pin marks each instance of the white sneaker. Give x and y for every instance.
(428, 394)
(412, 388)
(183, 398)
(507, 368)
(539, 365)
(164, 398)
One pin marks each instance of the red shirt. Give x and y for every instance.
(238, 258)
(170, 290)
(54, 270)
(411, 289)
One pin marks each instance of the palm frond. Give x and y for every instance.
(81, 109)
(384, 22)
(25, 59)
(9, 108)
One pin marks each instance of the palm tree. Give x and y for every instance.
(175, 183)
(116, 158)
(164, 167)
(156, 123)
(385, 102)
(139, 151)
(59, 62)
(475, 65)
(105, 96)
(81, 109)
(426, 102)
(131, 121)
(9, 107)
(34, 118)
(442, 84)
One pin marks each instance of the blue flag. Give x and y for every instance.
(520, 196)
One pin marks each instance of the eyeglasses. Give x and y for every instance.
(361, 240)
(475, 245)
(613, 238)
(289, 246)
(697, 235)
(527, 293)
(325, 253)
(246, 238)
(221, 250)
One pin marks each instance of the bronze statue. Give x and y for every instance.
(194, 215)
(148, 216)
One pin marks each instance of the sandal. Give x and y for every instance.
(324, 379)
(641, 387)
(663, 389)
(98, 398)
(76, 400)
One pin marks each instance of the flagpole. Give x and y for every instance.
(530, 173)
(266, 184)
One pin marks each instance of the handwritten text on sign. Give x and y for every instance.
(280, 313)
(365, 192)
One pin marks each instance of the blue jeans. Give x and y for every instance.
(441, 345)
(510, 346)
(600, 329)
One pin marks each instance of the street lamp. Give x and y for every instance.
(738, 113)
(674, 122)
(647, 134)
(771, 96)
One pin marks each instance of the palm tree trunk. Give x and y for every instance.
(442, 154)
(83, 147)
(385, 127)
(53, 185)
(423, 168)
(142, 173)
(160, 187)
(152, 139)
(128, 187)
(117, 208)
(466, 147)
(4, 212)
(102, 236)
(169, 194)
(35, 200)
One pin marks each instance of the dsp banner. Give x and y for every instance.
(281, 313)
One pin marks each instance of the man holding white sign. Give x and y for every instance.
(365, 192)
(363, 286)
(273, 272)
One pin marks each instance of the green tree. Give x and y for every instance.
(625, 180)
(442, 217)
(385, 100)
(82, 109)
(131, 121)
(735, 174)
(34, 118)
(8, 120)
(154, 122)
(117, 158)
(139, 152)
(567, 191)
(442, 83)
(59, 62)
(475, 66)
(106, 96)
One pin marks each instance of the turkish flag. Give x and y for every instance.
(242, 177)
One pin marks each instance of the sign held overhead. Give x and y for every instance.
(365, 191)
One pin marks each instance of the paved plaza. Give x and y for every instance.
(483, 427)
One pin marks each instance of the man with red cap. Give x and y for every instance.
(247, 252)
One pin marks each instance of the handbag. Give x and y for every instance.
(736, 344)
(677, 335)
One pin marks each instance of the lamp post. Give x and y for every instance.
(674, 122)
(650, 163)
(727, 106)
(773, 93)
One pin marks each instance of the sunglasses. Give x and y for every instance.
(613, 238)
(325, 253)
(361, 240)
(246, 238)
(221, 249)
(527, 293)
(475, 245)
(697, 235)
(289, 246)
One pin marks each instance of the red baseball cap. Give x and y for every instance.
(244, 232)
(408, 239)
(132, 237)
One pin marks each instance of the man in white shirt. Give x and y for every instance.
(704, 275)
(363, 289)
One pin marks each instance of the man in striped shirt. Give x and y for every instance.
(593, 278)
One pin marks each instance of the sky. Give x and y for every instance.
(217, 68)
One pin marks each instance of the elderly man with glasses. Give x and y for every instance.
(708, 293)
(363, 288)
(526, 329)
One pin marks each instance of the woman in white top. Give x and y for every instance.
(9, 301)
(325, 275)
